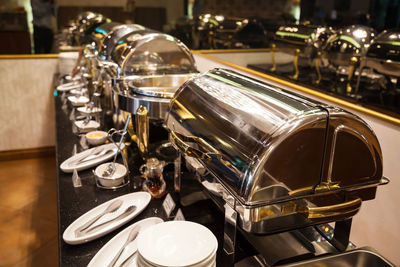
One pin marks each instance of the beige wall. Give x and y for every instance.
(26, 103)
(377, 224)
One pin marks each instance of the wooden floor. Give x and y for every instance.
(28, 212)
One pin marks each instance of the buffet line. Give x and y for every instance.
(279, 168)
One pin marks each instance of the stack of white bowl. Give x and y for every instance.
(177, 243)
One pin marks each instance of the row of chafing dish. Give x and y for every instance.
(357, 52)
(275, 161)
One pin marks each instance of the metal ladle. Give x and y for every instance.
(110, 169)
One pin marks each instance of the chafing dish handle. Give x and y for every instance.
(180, 141)
(349, 207)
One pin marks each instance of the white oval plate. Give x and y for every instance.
(78, 101)
(87, 110)
(176, 243)
(92, 125)
(139, 199)
(69, 86)
(109, 250)
(72, 163)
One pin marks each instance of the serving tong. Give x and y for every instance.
(110, 169)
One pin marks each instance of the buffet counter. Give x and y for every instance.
(75, 201)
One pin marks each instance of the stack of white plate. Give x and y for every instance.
(176, 243)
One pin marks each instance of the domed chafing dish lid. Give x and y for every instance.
(115, 36)
(386, 46)
(303, 35)
(86, 22)
(352, 41)
(155, 54)
(102, 31)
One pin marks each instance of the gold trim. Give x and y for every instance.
(304, 89)
(222, 51)
(28, 56)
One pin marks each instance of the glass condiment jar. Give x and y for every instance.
(152, 171)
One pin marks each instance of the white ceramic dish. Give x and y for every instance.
(88, 127)
(176, 243)
(139, 199)
(79, 163)
(88, 111)
(69, 86)
(78, 92)
(114, 181)
(96, 137)
(109, 250)
(77, 101)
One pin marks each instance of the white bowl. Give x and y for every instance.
(114, 181)
(177, 243)
(96, 137)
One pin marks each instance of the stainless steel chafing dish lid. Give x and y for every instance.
(150, 53)
(352, 41)
(386, 46)
(254, 136)
(116, 36)
(384, 53)
(100, 32)
(302, 36)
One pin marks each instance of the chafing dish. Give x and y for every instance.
(85, 23)
(305, 42)
(349, 42)
(277, 161)
(344, 50)
(152, 66)
(383, 54)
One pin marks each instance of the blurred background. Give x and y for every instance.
(187, 19)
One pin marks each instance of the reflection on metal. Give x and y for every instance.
(296, 64)
(244, 130)
(304, 89)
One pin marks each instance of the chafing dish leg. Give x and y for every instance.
(273, 68)
(352, 69)
(317, 61)
(341, 234)
(230, 232)
(296, 64)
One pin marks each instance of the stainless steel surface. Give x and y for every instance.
(102, 31)
(149, 53)
(308, 38)
(124, 214)
(354, 258)
(348, 42)
(383, 55)
(163, 86)
(115, 205)
(286, 160)
(114, 36)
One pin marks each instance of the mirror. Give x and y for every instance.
(331, 46)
